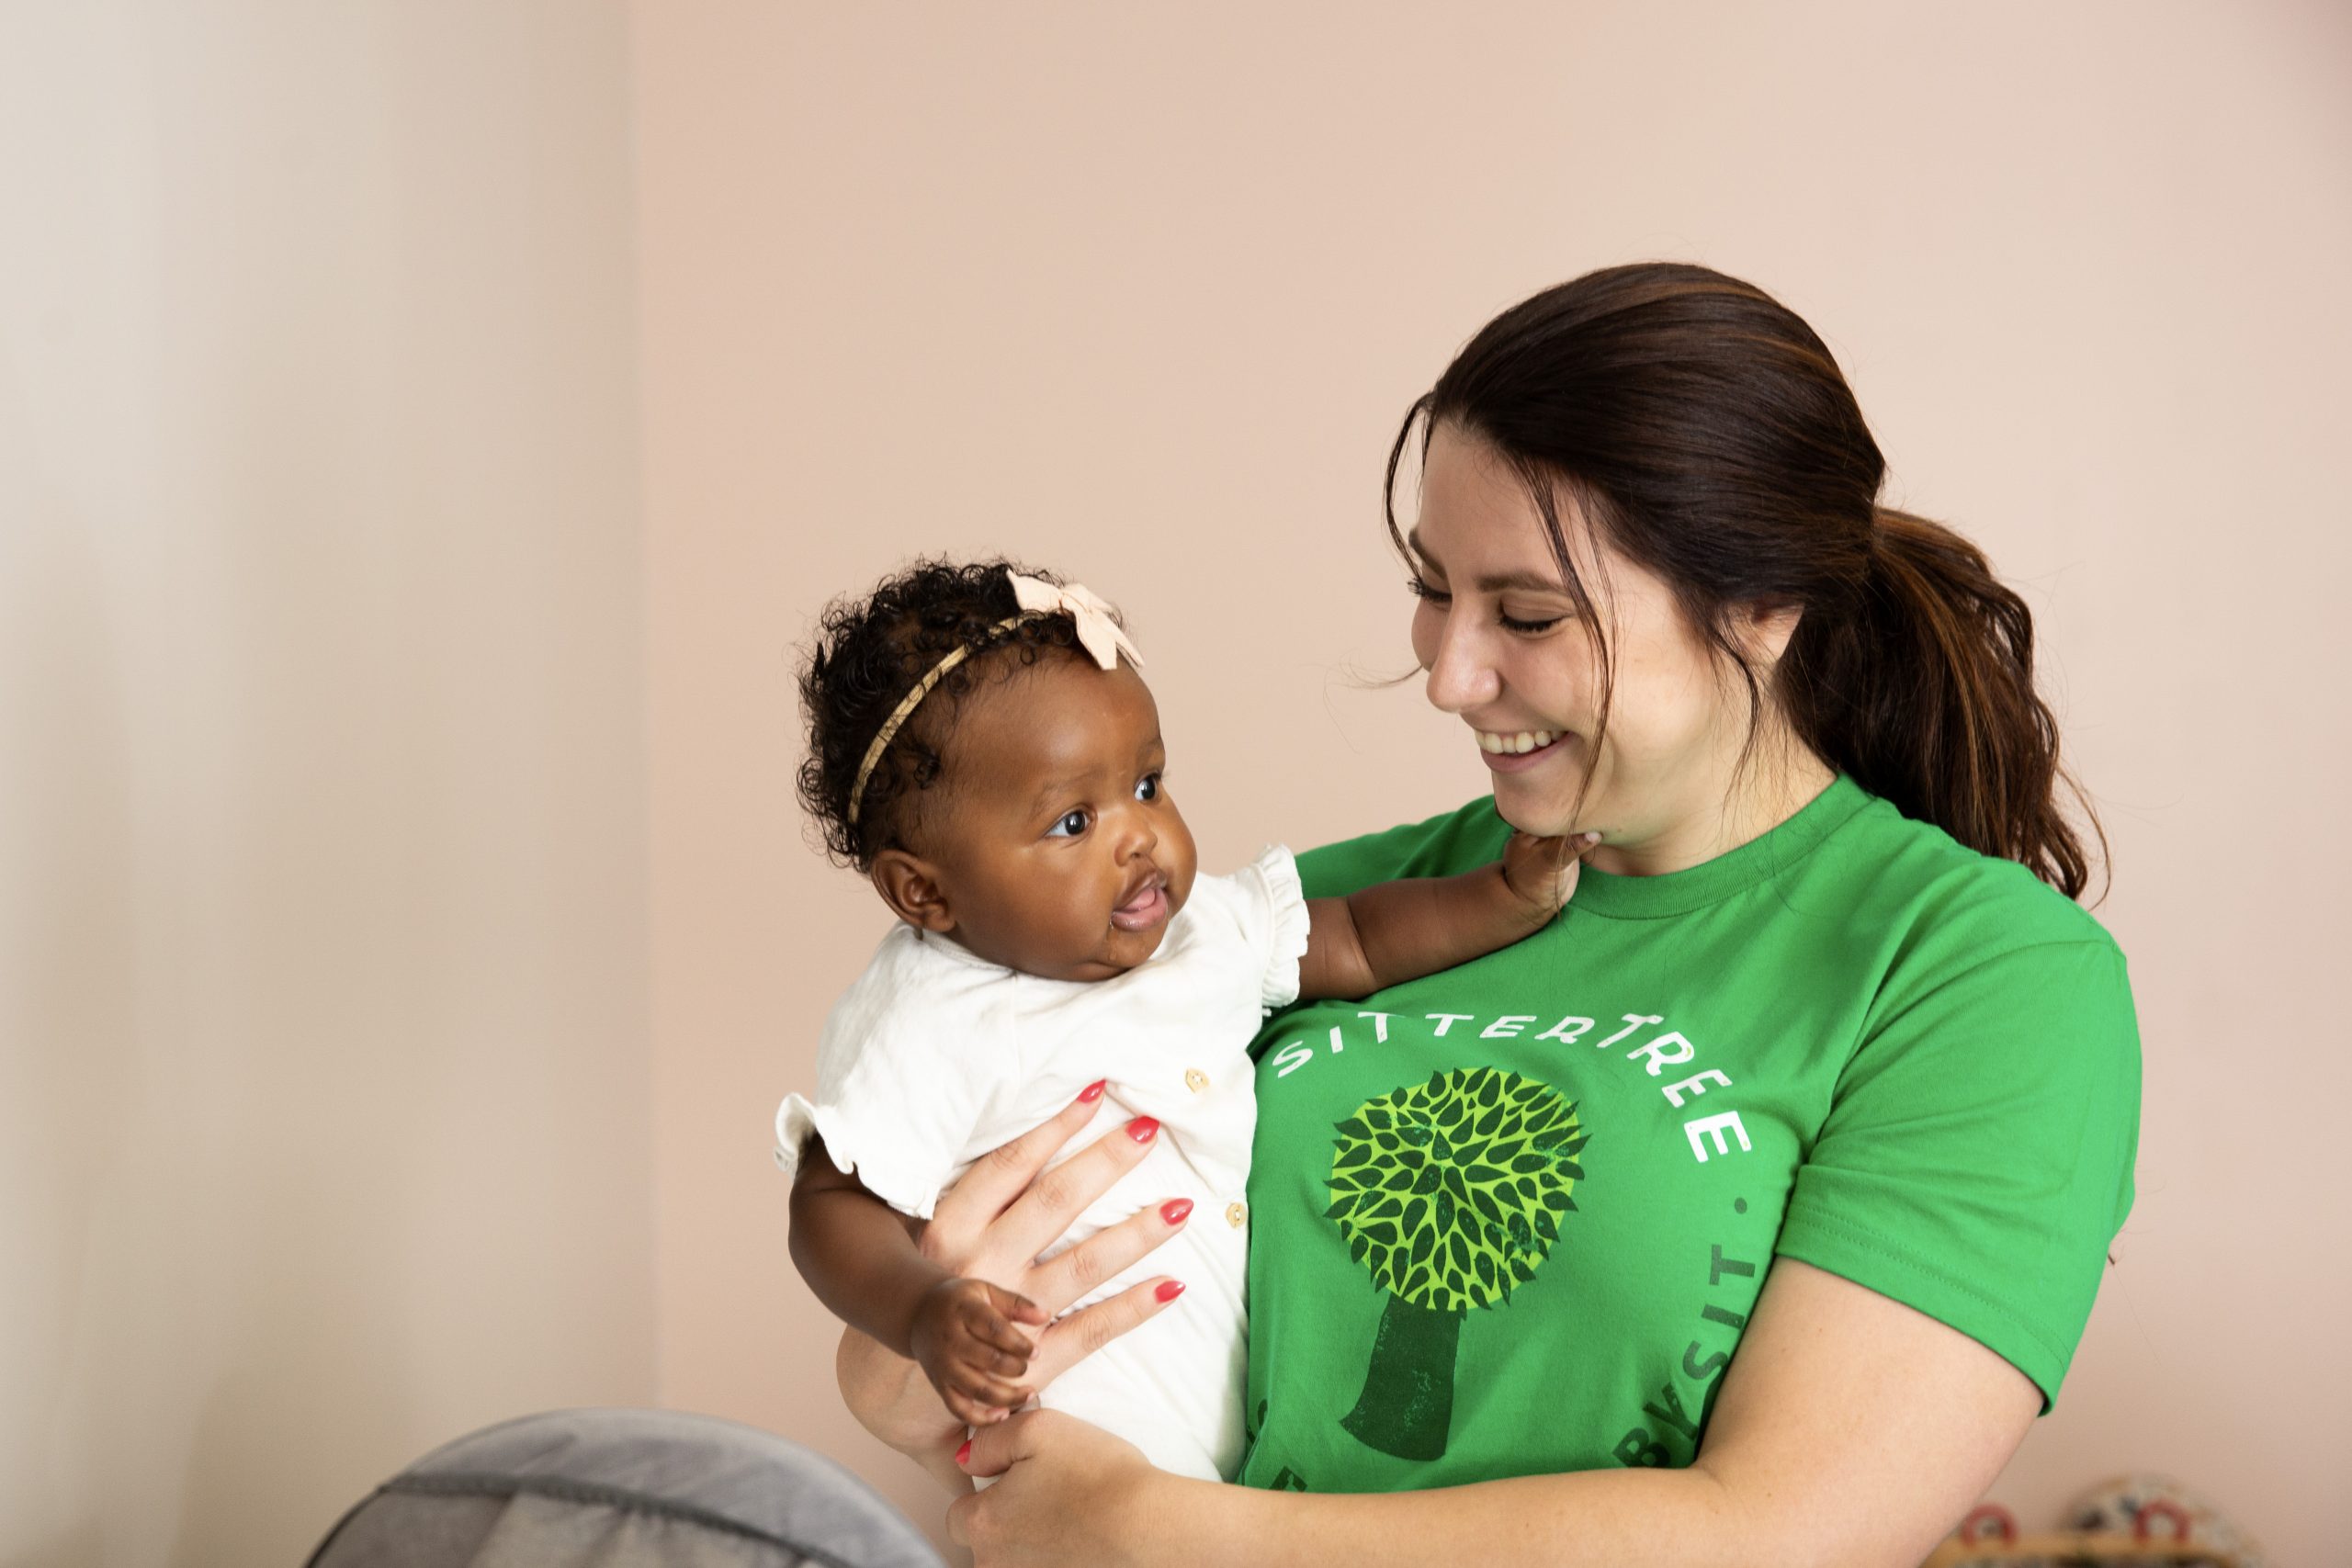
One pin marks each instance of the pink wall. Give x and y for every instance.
(1140, 292)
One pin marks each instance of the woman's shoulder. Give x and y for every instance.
(1917, 878)
(1972, 950)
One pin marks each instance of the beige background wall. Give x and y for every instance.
(426, 431)
(1140, 291)
(324, 1062)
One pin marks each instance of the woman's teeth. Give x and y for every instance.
(1514, 744)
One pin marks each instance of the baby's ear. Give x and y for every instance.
(909, 885)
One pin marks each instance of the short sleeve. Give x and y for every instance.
(899, 1126)
(905, 1073)
(1976, 1160)
(1278, 927)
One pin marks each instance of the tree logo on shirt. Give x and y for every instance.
(1449, 1193)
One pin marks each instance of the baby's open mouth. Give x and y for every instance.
(1144, 908)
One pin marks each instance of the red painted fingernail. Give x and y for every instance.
(1175, 1209)
(1143, 1129)
(965, 1452)
(1092, 1092)
(1169, 1289)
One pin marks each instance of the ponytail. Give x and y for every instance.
(1926, 695)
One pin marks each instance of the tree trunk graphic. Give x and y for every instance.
(1406, 1407)
(1449, 1193)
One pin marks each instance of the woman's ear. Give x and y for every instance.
(911, 886)
(1767, 625)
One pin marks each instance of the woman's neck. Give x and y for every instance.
(1749, 801)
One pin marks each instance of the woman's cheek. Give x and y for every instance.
(1428, 629)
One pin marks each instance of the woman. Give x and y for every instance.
(1823, 1066)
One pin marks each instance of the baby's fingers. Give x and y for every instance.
(1018, 1308)
(994, 1335)
(976, 1412)
(1545, 869)
(1001, 1363)
(984, 1338)
(1073, 1338)
(991, 1396)
(984, 1345)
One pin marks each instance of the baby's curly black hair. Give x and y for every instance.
(869, 653)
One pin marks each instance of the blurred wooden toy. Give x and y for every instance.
(2133, 1521)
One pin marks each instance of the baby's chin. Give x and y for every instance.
(1124, 950)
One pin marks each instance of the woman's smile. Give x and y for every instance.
(1516, 750)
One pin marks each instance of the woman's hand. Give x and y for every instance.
(1070, 1493)
(990, 1225)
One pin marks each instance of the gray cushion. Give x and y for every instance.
(624, 1489)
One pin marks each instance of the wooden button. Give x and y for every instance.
(1195, 1080)
(1234, 1214)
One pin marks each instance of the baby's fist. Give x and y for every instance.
(967, 1339)
(1543, 871)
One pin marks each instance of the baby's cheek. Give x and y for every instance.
(1183, 861)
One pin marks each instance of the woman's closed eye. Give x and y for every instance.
(1423, 588)
(1527, 627)
(1070, 824)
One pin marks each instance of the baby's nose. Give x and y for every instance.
(1138, 839)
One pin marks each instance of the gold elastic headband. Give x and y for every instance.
(1097, 633)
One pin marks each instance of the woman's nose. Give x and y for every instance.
(1461, 675)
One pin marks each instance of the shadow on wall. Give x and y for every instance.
(68, 1005)
(314, 1377)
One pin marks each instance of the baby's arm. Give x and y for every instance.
(1394, 931)
(859, 1254)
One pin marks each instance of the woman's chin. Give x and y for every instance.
(1535, 807)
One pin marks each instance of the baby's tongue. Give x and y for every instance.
(1141, 910)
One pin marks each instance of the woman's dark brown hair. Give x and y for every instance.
(1709, 435)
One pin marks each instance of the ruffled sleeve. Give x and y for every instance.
(898, 1132)
(910, 1058)
(1282, 937)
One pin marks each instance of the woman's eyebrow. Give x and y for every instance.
(1493, 582)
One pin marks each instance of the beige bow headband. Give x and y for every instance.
(1097, 633)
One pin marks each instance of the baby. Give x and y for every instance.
(982, 748)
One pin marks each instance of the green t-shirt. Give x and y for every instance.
(1511, 1218)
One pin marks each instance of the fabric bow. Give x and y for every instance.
(1097, 632)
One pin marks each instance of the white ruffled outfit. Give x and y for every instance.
(934, 1057)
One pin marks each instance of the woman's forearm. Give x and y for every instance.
(891, 1399)
(1624, 1519)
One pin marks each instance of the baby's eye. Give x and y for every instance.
(1148, 787)
(1071, 824)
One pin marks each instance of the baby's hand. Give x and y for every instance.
(965, 1337)
(1543, 871)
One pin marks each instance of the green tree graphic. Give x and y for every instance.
(1451, 1194)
